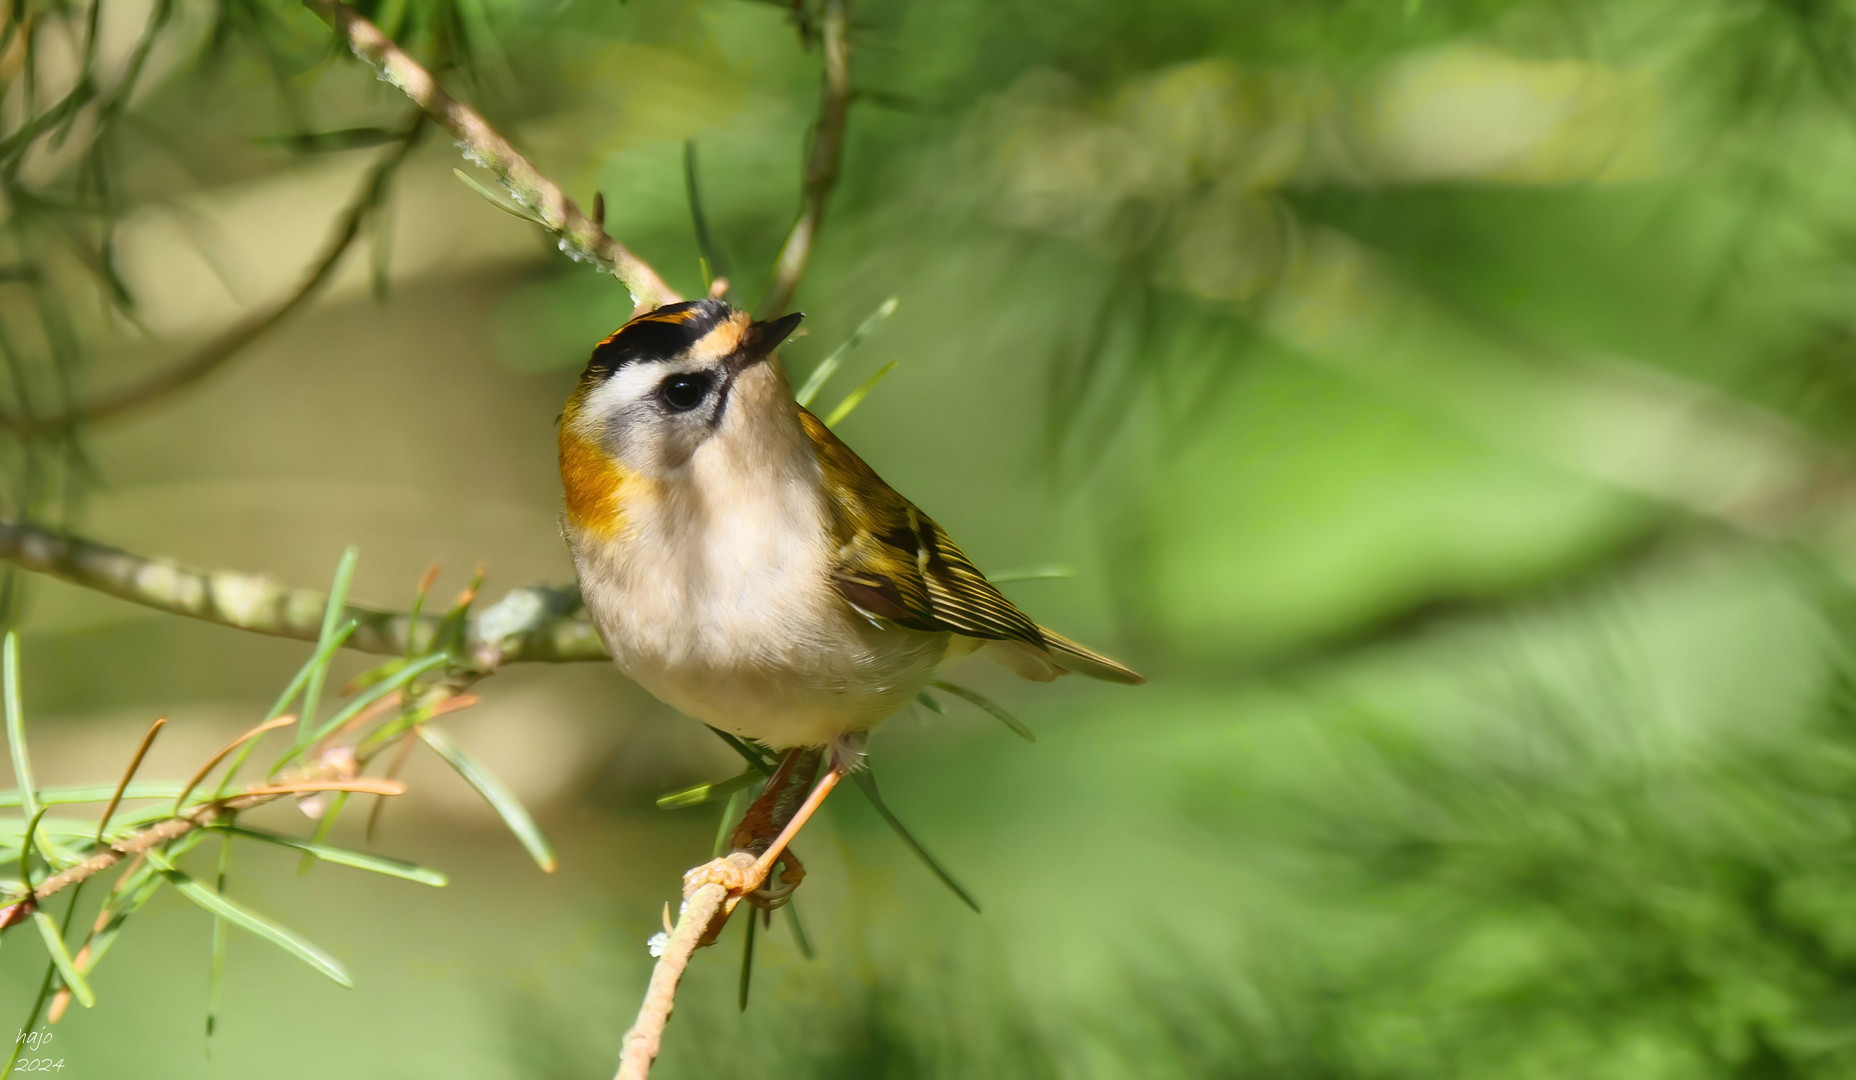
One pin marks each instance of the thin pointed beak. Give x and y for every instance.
(761, 339)
(764, 337)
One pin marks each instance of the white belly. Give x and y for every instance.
(803, 689)
(727, 614)
(801, 703)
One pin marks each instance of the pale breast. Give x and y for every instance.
(721, 605)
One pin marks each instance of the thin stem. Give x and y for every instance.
(32, 1018)
(216, 353)
(63, 995)
(705, 240)
(708, 904)
(198, 817)
(581, 238)
(646, 1036)
(822, 162)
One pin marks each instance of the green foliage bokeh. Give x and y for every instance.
(1412, 387)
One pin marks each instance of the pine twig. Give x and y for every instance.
(255, 603)
(706, 908)
(216, 353)
(646, 1035)
(173, 828)
(822, 162)
(581, 238)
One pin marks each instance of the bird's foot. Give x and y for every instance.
(773, 894)
(742, 873)
(737, 874)
(743, 877)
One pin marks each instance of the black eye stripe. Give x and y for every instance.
(721, 399)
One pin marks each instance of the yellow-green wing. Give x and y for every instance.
(895, 563)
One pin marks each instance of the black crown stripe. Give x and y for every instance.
(660, 333)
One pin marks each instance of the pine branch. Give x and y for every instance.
(526, 626)
(216, 353)
(581, 238)
(646, 1035)
(173, 828)
(822, 162)
(707, 905)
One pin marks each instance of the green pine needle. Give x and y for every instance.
(378, 672)
(25, 847)
(753, 755)
(16, 725)
(730, 814)
(866, 783)
(449, 633)
(830, 365)
(363, 700)
(318, 662)
(215, 985)
(798, 929)
(331, 622)
(65, 796)
(747, 959)
(856, 397)
(698, 794)
(139, 888)
(500, 798)
(324, 826)
(377, 864)
(284, 938)
(974, 697)
(61, 959)
(501, 202)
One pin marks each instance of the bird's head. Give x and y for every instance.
(677, 378)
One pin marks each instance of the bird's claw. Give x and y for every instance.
(774, 895)
(734, 873)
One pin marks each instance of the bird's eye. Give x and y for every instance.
(684, 392)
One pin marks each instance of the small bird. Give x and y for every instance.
(744, 565)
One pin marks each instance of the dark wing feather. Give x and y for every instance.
(894, 562)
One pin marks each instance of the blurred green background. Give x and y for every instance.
(1446, 403)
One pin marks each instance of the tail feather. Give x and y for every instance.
(1086, 661)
